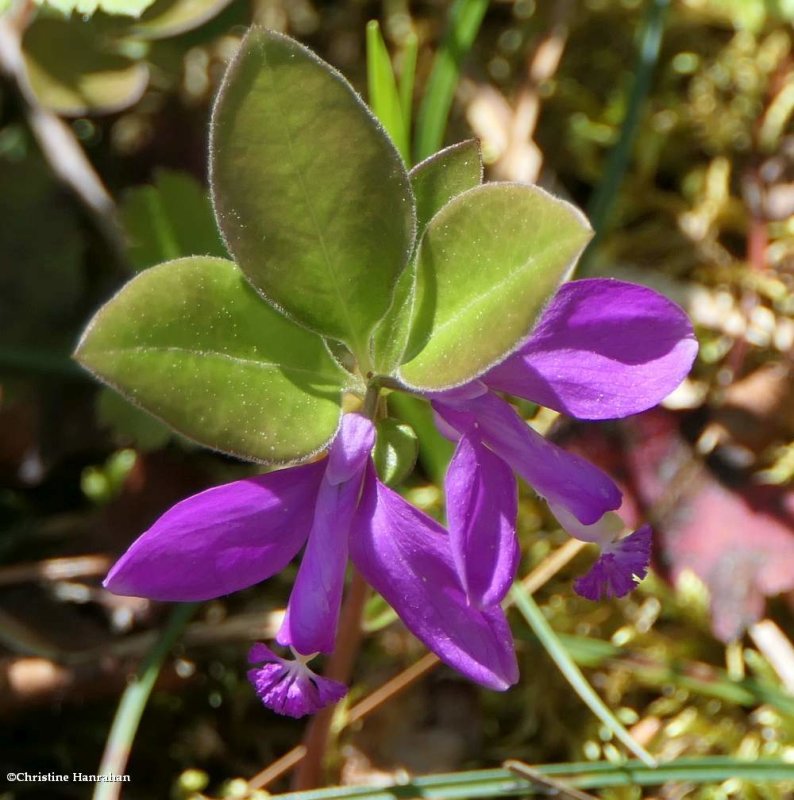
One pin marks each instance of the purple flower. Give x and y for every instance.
(238, 534)
(290, 687)
(621, 562)
(602, 349)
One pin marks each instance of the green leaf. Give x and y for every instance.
(445, 175)
(129, 8)
(170, 219)
(391, 336)
(384, 97)
(487, 264)
(435, 182)
(72, 70)
(406, 82)
(395, 451)
(166, 18)
(311, 195)
(192, 343)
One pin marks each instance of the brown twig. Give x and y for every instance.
(46, 673)
(278, 768)
(22, 639)
(548, 785)
(56, 569)
(393, 687)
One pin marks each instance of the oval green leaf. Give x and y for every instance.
(166, 18)
(435, 182)
(487, 264)
(129, 8)
(192, 343)
(445, 175)
(311, 194)
(70, 70)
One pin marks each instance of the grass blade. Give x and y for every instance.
(406, 84)
(384, 99)
(603, 199)
(692, 676)
(465, 18)
(555, 648)
(133, 702)
(488, 783)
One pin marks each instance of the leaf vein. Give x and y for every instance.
(239, 360)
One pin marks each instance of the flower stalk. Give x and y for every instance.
(339, 667)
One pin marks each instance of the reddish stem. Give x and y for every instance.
(309, 772)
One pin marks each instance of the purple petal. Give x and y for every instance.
(290, 687)
(222, 540)
(603, 349)
(350, 449)
(564, 479)
(313, 611)
(613, 575)
(482, 505)
(405, 555)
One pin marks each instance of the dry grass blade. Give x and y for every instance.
(56, 569)
(552, 786)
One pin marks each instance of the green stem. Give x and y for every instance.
(371, 398)
(603, 199)
(554, 647)
(133, 702)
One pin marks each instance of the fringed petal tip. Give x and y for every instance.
(620, 567)
(290, 687)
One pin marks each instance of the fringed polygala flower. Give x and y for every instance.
(236, 535)
(290, 687)
(603, 349)
(373, 279)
